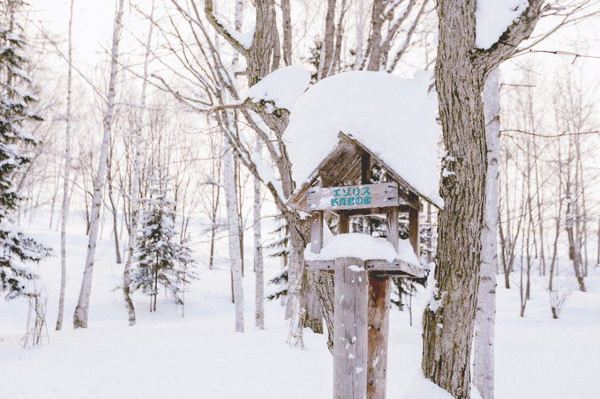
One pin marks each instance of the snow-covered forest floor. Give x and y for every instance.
(167, 356)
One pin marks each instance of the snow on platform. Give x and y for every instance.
(394, 117)
(362, 246)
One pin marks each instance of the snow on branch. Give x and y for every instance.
(282, 87)
(241, 42)
(518, 24)
(494, 18)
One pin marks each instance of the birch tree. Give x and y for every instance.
(64, 213)
(135, 182)
(483, 352)
(80, 316)
(259, 313)
(231, 195)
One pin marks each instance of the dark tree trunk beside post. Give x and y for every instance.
(460, 73)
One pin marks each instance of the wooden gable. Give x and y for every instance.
(344, 166)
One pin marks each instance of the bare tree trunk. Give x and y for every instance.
(360, 27)
(215, 191)
(460, 75)
(240, 218)
(286, 13)
(327, 43)
(80, 317)
(570, 220)
(448, 330)
(234, 240)
(598, 244)
(213, 231)
(54, 195)
(553, 263)
(113, 211)
(374, 48)
(581, 219)
(135, 183)
(259, 314)
(67, 171)
(231, 201)
(574, 250)
(483, 351)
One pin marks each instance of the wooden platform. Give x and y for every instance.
(397, 267)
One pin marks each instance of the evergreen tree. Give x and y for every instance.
(279, 248)
(161, 259)
(16, 249)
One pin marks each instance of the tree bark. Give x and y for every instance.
(80, 317)
(448, 331)
(460, 73)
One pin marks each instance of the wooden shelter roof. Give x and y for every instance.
(343, 164)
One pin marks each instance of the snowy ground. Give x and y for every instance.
(167, 356)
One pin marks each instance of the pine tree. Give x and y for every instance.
(16, 249)
(161, 259)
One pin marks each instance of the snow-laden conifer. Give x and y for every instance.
(161, 259)
(16, 98)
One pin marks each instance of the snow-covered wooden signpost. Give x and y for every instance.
(362, 264)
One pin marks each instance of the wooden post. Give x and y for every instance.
(379, 305)
(350, 332)
(379, 310)
(316, 232)
(413, 230)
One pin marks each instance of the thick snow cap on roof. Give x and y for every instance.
(394, 118)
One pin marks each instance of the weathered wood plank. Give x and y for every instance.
(350, 332)
(379, 305)
(353, 197)
(316, 232)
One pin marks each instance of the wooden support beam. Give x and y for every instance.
(379, 310)
(343, 223)
(365, 168)
(350, 332)
(413, 230)
(392, 227)
(316, 232)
